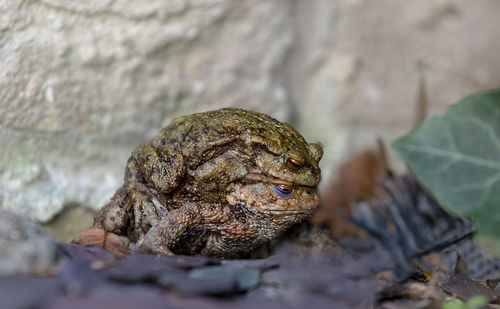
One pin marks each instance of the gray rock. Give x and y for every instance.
(243, 278)
(24, 246)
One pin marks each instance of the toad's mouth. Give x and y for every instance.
(290, 212)
(265, 178)
(247, 199)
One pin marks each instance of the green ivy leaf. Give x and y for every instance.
(478, 301)
(457, 158)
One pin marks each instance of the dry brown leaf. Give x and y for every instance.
(436, 261)
(95, 237)
(356, 181)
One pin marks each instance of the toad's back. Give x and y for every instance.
(194, 134)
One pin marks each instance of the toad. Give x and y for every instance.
(218, 183)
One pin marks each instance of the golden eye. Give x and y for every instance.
(283, 191)
(293, 164)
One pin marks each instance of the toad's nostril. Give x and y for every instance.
(308, 192)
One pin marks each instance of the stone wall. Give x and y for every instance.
(83, 82)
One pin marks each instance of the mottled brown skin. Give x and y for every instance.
(209, 184)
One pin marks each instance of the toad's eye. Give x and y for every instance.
(293, 164)
(283, 191)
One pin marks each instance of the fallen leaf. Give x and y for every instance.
(465, 288)
(356, 181)
(95, 237)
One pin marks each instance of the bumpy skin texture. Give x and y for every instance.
(218, 183)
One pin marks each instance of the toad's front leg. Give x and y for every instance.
(163, 168)
(166, 233)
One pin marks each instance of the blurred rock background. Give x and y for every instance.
(83, 82)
